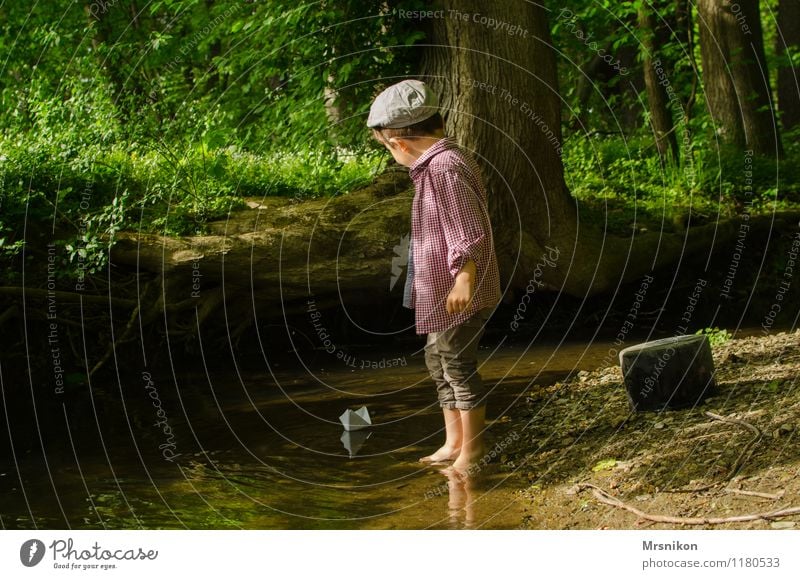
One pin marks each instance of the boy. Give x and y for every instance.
(453, 282)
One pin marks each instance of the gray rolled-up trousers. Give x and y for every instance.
(452, 359)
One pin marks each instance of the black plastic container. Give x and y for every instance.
(670, 373)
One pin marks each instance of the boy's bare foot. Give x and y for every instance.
(467, 461)
(444, 454)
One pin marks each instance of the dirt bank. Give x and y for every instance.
(736, 454)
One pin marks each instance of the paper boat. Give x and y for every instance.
(353, 441)
(355, 419)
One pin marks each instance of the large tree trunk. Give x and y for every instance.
(787, 43)
(735, 76)
(500, 98)
(656, 80)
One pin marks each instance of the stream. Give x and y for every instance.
(265, 449)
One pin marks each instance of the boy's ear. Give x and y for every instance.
(399, 142)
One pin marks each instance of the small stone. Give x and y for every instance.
(782, 430)
(644, 497)
(658, 425)
(783, 525)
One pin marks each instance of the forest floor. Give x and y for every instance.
(588, 462)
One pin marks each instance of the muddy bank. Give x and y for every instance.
(735, 454)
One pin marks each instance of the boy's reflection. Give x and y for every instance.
(460, 487)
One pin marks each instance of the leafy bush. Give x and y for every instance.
(716, 337)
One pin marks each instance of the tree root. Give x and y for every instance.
(152, 302)
(770, 496)
(63, 296)
(737, 465)
(11, 312)
(748, 448)
(607, 499)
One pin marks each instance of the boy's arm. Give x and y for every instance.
(463, 219)
(464, 223)
(463, 290)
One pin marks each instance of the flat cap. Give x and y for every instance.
(403, 104)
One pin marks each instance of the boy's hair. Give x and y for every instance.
(424, 128)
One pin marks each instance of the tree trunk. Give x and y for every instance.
(499, 95)
(656, 82)
(787, 42)
(735, 77)
(499, 98)
(684, 36)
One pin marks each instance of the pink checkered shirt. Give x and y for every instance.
(449, 225)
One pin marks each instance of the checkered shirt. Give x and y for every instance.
(449, 225)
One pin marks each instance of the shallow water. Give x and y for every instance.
(263, 450)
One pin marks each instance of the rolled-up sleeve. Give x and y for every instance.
(462, 214)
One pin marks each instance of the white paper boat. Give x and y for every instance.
(353, 441)
(355, 419)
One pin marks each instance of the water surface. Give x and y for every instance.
(263, 450)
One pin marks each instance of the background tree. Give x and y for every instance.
(597, 64)
(735, 75)
(656, 70)
(787, 46)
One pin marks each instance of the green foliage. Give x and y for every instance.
(164, 118)
(716, 337)
(173, 189)
(275, 75)
(610, 152)
(301, 174)
(605, 464)
(625, 180)
(165, 115)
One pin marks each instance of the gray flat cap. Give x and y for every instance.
(403, 104)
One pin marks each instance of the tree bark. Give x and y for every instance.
(655, 77)
(499, 95)
(787, 43)
(735, 76)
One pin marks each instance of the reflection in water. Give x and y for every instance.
(460, 508)
(354, 440)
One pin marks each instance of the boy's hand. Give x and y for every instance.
(463, 290)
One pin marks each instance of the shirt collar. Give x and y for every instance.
(419, 165)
